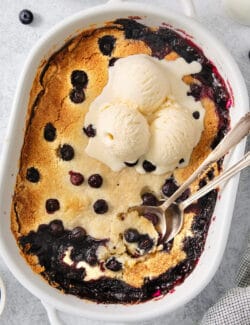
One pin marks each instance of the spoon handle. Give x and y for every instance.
(243, 163)
(240, 130)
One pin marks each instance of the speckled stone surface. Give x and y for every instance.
(16, 42)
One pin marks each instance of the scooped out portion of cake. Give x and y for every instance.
(144, 114)
(119, 117)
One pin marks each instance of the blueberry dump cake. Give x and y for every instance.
(120, 116)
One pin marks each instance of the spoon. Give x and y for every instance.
(240, 130)
(174, 214)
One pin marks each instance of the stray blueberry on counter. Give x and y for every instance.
(100, 206)
(148, 166)
(26, 17)
(95, 180)
(32, 175)
(52, 205)
(89, 131)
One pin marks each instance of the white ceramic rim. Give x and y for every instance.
(231, 186)
(2, 296)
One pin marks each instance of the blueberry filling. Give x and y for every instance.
(95, 180)
(33, 175)
(52, 205)
(78, 233)
(66, 152)
(76, 178)
(49, 132)
(26, 16)
(148, 166)
(131, 235)
(100, 206)
(79, 79)
(89, 131)
(145, 243)
(106, 44)
(113, 265)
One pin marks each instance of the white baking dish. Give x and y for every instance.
(219, 229)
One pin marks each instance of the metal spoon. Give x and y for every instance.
(166, 220)
(174, 214)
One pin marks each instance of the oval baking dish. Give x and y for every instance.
(219, 228)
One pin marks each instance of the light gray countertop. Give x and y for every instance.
(16, 42)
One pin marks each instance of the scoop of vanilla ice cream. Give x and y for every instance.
(140, 80)
(174, 134)
(124, 131)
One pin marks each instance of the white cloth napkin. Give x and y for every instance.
(234, 307)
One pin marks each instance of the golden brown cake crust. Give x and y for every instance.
(50, 103)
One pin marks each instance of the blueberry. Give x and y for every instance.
(79, 79)
(145, 243)
(26, 16)
(89, 131)
(113, 265)
(181, 161)
(32, 175)
(52, 205)
(112, 61)
(106, 44)
(100, 206)
(152, 217)
(202, 183)
(90, 257)
(76, 178)
(210, 174)
(49, 132)
(77, 96)
(95, 180)
(131, 235)
(148, 166)
(66, 152)
(149, 199)
(196, 115)
(169, 187)
(78, 233)
(56, 227)
(183, 196)
(195, 91)
(129, 164)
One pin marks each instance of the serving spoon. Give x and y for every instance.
(171, 219)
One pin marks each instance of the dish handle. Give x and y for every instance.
(187, 6)
(52, 314)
